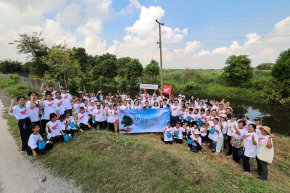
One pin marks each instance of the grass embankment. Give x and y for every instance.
(208, 83)
(13, 88)
(100, 161)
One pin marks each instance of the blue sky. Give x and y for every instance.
(197, 33)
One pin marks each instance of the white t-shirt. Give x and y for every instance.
(61, 103)
(55, 128)
(76, 108)
(250, 148)
(83, 118)
(197, 139)
(67, 97)
(225, 127)
(123, 107)
(178, 135)
(218, 133)
(112, 116)
(99, 114)
(20, 112)
(34, 113)
(91, 109)
(203, 131)
(68, 121)
(174, 110)
(168, 130)
(49, 107)
(231, 130)
(33, 140)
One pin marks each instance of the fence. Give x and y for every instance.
(30, 82)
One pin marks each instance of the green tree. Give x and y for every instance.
(34, 46)
(152, 69)
(265, 66)
(237, 70)
(281, 69)
(106, 66)
(11, 67)
(64, 67)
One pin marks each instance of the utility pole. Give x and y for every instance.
(160, 47)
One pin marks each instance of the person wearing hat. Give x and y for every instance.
(237, 139)
(174, 112)
(91, 107)
(196, 141)
(76, 106)
(99, 116)
(125, 105)
(232, 124)
(265, 152)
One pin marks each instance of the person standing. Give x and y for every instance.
(21, 112)
(265, 153)
(67, 98)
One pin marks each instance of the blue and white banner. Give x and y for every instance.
(143, 121)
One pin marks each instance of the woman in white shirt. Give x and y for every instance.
(265, 152)
(250, 142)
(21, 112)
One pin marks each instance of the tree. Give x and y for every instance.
(265, 66)
(106, 66)
(64, 67)
(152, 69)
(238, 70)
(281, 69)
(10, 67)
(34, 47)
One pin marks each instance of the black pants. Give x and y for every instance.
(84, 126)
(174, 120)
(246, 164)
(168, 142)
(196, 147)
(111, 126)
(48, 146)
(230, 151)
(180, 141)
(57, 138)
(72, 132)
(101, 124)
(203, 139)
(43, 126)
(213, 145)
(105, 124)
(236, 156)
(262, 168)
(24, 126)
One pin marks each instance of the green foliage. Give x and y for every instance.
(13, 88)
(106, 65)
(265, 66)
(63, 67)
(34, 47)
(10, 67)
(238, 70)
(152, 69)
(281, 69)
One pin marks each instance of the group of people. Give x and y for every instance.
(194, 120)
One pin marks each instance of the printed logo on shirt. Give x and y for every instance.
(60, 103)
(261, 138)
(50, 104)
(66, 97)
(247, 136)
(81, 117)
(23, 112)
(55, 127)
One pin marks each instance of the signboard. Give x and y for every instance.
(143, 120)
(149, 86)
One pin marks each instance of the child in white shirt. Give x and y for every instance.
(54, 129)
(168, 134)
(196, 142)
(83, 120)
(36, 144)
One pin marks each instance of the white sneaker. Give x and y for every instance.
(81, 130)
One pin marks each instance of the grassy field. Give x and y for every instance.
(100, 161)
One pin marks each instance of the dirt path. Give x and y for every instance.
(20, 173)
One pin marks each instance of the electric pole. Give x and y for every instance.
(160, 47)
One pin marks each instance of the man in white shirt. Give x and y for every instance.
(174, 110)
(67, 98)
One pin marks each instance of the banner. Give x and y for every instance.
(143, 121)
(149, 86)
(166, 89)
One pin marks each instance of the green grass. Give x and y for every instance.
(100, 161)
(12, 88)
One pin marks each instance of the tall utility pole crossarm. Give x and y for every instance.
(160, 47)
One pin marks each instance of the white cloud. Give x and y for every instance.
(80, 23)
